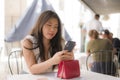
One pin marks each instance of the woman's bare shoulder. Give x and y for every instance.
(27, 41)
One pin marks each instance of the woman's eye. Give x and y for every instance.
(49, 24)
(56, 27)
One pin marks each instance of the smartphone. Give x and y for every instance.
(69, 46)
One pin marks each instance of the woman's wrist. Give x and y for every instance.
(51, 61)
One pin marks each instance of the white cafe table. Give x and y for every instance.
(85, 75)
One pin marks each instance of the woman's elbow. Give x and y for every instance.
(33, 72)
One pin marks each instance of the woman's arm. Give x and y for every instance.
(88, 48)
(31, 59)
(88, 53)
(37, 68)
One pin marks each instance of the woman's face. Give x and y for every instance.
(50, 28)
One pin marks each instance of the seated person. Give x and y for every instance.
(106, 35)
(116, 45)
(97, 44)
(115, 41)
(43, 47)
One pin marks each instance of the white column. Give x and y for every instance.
(72, 19)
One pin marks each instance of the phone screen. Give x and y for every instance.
(69, 46)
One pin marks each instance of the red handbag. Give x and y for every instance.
(68, 69)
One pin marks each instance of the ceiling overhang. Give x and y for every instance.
(103, 6)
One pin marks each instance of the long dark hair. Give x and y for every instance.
(55, 42)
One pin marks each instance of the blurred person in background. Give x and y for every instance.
(92, 24)
(116, 45)
(97, 44)
(106, 34)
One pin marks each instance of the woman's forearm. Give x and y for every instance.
(41, 67)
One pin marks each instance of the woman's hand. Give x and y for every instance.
(68, 56)
(62, 55)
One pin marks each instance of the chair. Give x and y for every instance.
(15, 61)
(118, 54)
(117, 62)
(104, 62)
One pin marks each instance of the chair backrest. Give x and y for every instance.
(102, 62)
(118, 54)
(117, 62)
(15, 61)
